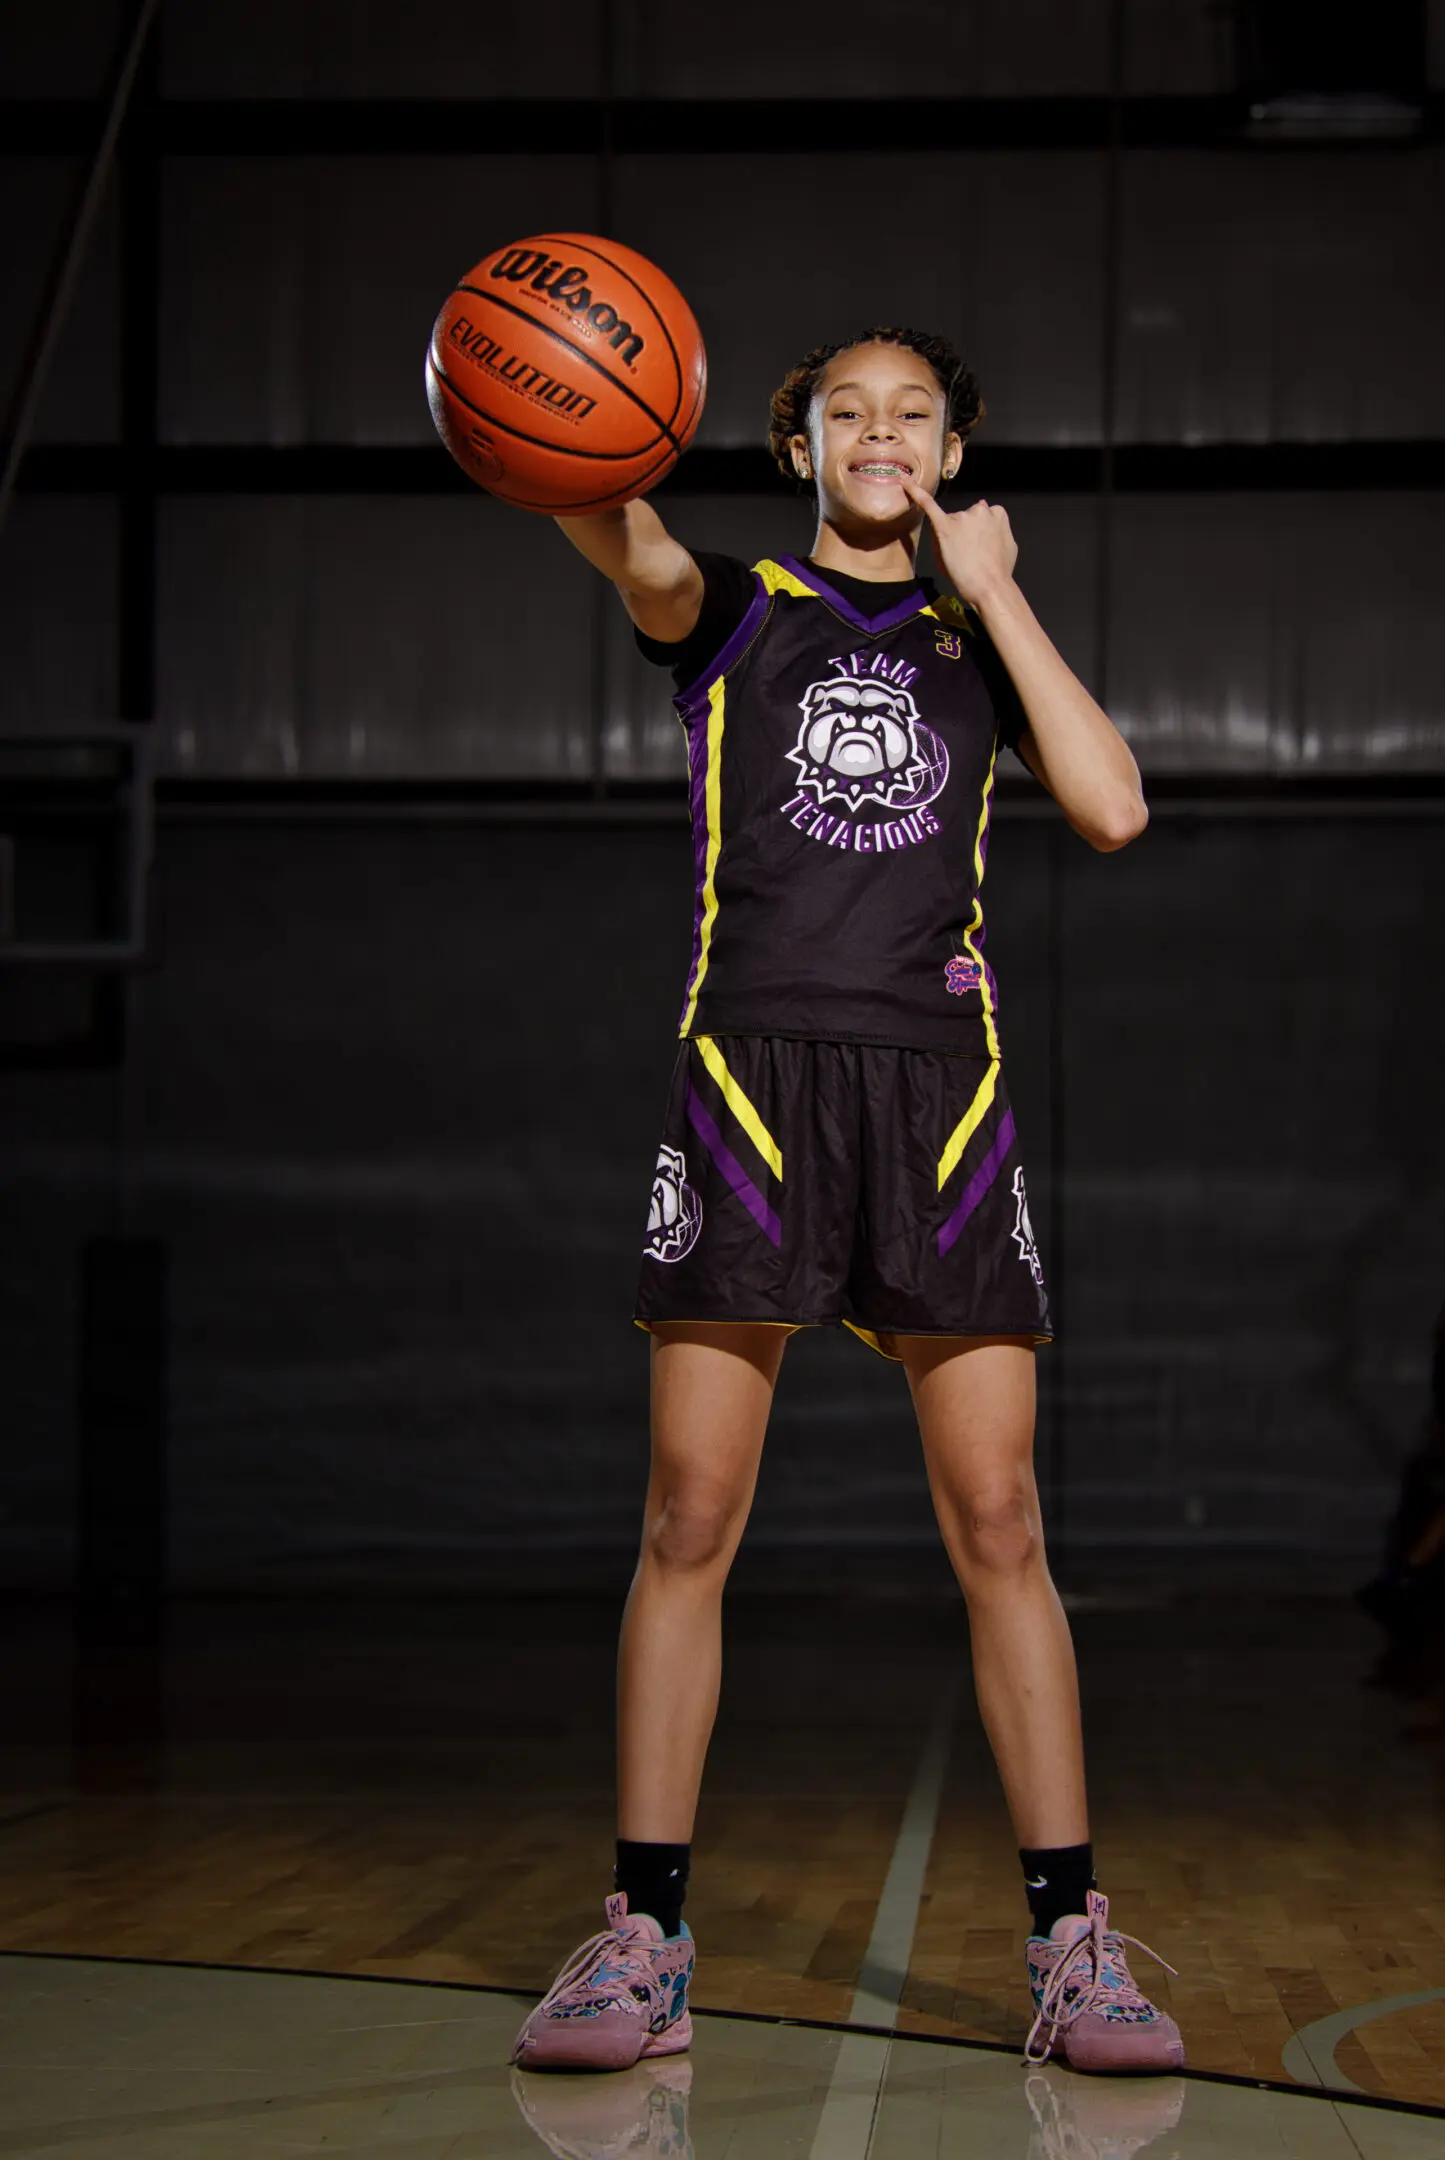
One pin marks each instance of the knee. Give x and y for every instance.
(998, 1535)
(692, 1533)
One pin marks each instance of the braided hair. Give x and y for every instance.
(792, 400)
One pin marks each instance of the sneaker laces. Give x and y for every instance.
(586, 1962)
(1103, 1953)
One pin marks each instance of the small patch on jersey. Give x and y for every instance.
(1022, 1232)
(948, 644)
(962, 976)
(674, 1218)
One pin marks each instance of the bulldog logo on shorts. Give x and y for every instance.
(674, 1218)
(862, 742)
(1022, 1232)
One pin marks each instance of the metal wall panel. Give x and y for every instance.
(970, 48)
(299, 293)
(380, 49)
(999, 252)
(1253, 1040)
(959, 48)
(453, 636)
(58, 614)
(402, 1096)
(1269, 298)
(48, 52)
(82, 396)
(1263, 298)
(1286, 633)
(1176, 48)
(357, 637)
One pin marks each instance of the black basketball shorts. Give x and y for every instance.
(807, 1183)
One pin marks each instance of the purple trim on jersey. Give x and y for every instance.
(704, 1124)
(982, 937)
(978, 1184)
(692, 709)
(696, 727)
(901, 611)
(689, 701)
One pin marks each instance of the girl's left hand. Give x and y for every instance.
(975, 547)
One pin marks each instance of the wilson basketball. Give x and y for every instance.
(566, 373)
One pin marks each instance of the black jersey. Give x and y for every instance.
(841, 772)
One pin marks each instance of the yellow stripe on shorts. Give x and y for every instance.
(739, 1105)
(968, 1124)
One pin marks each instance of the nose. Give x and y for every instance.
(881, 431)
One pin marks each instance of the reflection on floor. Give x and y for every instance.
(152, 2062)
(423, 1791)
(117, 2061)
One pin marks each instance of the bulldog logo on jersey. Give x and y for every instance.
(863, 743)
(674, 1218)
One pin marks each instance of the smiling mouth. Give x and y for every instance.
(882, 469)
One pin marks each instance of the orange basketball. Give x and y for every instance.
(566, 373)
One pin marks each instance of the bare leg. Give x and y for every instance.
(712, 1389)
(975, 1402)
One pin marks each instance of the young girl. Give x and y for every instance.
(839, 1145)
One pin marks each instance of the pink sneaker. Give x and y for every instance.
(623, 1995)
(1088, 2006)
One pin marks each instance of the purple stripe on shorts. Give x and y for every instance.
(978, 1184)
(704, 1124)
(900, 611)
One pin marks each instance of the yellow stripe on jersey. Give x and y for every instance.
(712, 800)
(776, 579)
(739, 1105)
(967, 1125)
(990, 1030)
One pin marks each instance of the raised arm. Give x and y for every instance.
(660, 584)
(1071, 743)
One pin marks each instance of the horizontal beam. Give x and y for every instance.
(468, 127)
(989, 469)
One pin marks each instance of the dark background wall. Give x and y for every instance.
(389, 1086)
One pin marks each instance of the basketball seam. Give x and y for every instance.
(591, 502)
(700, 392)
(641, 290)
(509, 307)
(540, 442)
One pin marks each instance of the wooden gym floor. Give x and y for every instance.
(422, 1790)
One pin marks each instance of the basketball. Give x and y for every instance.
(566, 373)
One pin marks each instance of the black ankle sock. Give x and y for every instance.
(1058, 1879)
(653, 1879)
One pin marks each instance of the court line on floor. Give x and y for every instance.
(1310, 2055)
(850, 2108)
